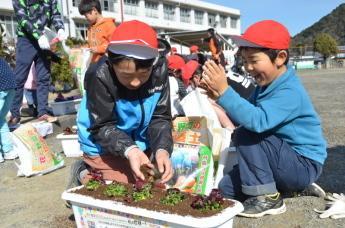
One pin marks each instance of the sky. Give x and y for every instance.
(296, 15)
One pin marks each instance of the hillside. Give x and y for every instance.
(333, 24)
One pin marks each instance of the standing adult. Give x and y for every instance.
(33, 46)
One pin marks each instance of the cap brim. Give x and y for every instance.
(134, 51)
(240, 42)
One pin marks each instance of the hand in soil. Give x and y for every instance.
(136, 159)
(164, 165)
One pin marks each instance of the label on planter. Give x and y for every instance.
(204, 178)
(95, 217)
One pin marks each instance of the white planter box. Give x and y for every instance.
(65, 107)
(90, 212)
(70, 145)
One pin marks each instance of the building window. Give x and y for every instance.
(75, 3)
(10, 24)
(106, 5)
(199, 17)
(131, 7)
(211, 20)
(151, 9)
(223, 21)
(185, 15)
(81, 30)
(109, 5)
(233, 22)
(169, 12)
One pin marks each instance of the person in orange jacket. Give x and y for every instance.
(215, 47)
(100, 29)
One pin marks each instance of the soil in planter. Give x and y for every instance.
(183, 208)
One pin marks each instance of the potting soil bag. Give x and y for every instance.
(79, 59)
(197, 104)
(192, 158)
(34, 153)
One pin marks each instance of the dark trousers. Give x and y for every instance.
(266, 164)
(28, 51)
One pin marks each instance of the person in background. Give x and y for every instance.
(280, 145)
(32, 46)
(173, 51)
(124, 120)
(7, 92)
(177, 88)
(100, 29)
(30, 93)
(191, 76)
(215, 47)
(193, 55)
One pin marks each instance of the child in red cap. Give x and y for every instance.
(177, 88)
(124, 116)
(280, 144)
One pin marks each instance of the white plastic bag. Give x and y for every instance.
(79, 59)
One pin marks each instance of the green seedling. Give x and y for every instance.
(173, 197)
(115, 190)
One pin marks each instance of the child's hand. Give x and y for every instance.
(214, 77)
(136, 159)
(93, 49)
(164, 165)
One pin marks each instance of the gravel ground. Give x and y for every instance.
(36, 201)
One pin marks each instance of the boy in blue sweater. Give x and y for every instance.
(279, 142)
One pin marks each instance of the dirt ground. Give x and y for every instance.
(36, 201)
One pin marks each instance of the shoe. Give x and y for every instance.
(312, 190)
(258, 206)
(13, 122)
(77, 168)
(10, 155)
(48, 118)
(31, 111)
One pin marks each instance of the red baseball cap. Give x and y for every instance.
(264, 34)
(193, 48)
(175, 62)
(134, 39)
(188, 70)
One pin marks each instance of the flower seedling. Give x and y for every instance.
(214, 201)
(115, 190)
(96, 181)
(141, 191)
(172, 197)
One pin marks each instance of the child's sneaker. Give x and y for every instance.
(77, 168)
(11, 155)
(13, 122)
(259, 206)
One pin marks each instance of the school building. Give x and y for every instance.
(164, 15)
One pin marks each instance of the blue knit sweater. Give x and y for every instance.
(284, 109)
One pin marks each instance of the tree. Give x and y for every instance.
(326, 45)
(300, 49)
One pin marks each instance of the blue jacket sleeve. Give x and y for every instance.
(280, 108)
